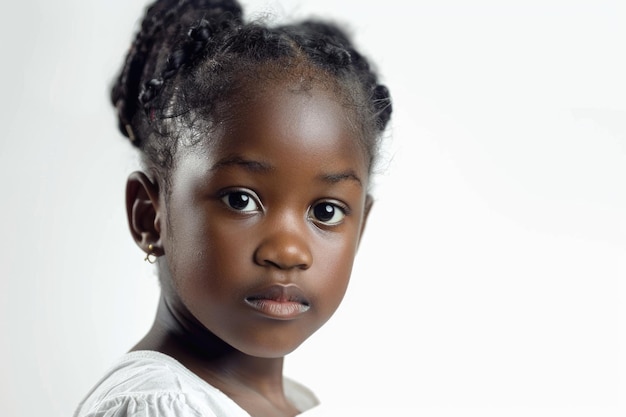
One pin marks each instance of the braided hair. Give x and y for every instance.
(185, 62)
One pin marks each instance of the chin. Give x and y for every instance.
(271, 344)
(271, 350)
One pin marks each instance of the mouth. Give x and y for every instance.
(282, 302)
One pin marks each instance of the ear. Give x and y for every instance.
(143, 212)
(369, 202)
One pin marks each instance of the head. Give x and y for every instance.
(258, 144)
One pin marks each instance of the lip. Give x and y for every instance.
(282, 302)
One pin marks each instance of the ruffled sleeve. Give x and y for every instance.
(147, 405)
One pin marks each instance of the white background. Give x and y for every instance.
(490, 281)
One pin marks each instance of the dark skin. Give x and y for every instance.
(255, 239)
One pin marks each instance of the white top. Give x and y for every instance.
(151, 384)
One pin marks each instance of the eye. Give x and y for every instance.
(243, 201)
(327, 213)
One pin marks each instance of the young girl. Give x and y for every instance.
(258, 144)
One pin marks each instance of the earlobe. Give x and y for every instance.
(143, 212)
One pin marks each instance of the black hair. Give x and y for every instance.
(188, 56)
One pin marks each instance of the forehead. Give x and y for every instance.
(288, 122)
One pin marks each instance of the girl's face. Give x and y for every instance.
(263, 222)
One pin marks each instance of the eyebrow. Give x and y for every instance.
(250, 165)
(341, 176)
(263, 167)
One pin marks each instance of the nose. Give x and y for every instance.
(284, 249)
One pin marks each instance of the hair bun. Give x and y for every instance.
(164, 21)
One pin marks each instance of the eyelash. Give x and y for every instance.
(332, 207)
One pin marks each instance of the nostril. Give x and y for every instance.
(267, 262)
(284, 265)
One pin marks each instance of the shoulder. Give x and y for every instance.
(147, 383)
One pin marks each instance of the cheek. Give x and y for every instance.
(228, 260)
(332, 270)
(210, 258)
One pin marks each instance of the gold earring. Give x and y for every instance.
(150, 256)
